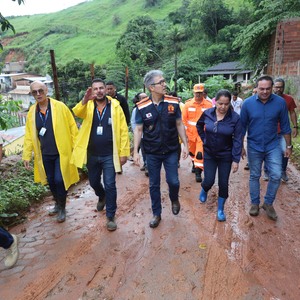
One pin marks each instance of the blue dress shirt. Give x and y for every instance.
(260, 121)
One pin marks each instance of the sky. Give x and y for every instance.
(31, 7)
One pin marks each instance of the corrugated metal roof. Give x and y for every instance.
(20, 92)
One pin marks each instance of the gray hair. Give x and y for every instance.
(149, 77)
(38, 82)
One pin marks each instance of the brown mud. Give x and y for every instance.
(189, 256)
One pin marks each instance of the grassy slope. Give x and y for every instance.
(87, 29)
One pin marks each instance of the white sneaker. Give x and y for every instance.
(12, 253)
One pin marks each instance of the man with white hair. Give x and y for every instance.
(50, 134)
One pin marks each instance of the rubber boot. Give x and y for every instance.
(203, 196)
(61, 216)
(193, 167)
(198, 172)
(54, 210)
(220, 215)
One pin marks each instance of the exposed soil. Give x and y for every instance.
(189, 256)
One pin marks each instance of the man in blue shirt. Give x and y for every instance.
(260, 115)
(158, 121)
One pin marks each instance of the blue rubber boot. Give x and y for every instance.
(220, 215)
(203, 196)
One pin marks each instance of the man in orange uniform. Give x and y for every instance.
(191, 113)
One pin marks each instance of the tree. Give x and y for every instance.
(74, 78)
(208, 17)
(175, 35)
(138, 46)
(5, 24)
(254, 40)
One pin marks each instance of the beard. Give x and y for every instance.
(100, 98)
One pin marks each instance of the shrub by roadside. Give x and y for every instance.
(17, 190)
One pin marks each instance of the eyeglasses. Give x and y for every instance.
(161, 82)
(215, 129)
(35, 92)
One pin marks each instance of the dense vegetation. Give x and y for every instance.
(17, 193)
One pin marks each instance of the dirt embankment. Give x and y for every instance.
(189, 256)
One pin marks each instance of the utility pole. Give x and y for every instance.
(92, 70)
(54, 71)
(175, 70)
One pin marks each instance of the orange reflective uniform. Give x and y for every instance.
(191, 113)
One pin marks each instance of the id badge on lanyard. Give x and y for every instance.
(100, 117)
(42, 131)
(99, 130)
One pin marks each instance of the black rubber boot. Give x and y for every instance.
(61, 216)
(198, 174)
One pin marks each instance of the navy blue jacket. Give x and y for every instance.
(221, 139)
(160, 133)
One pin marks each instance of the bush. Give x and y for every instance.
(17, 193)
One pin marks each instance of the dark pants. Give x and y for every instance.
(211, 164)
(6, 238)
(95, 166)
(54, 177)
(154, 163)
(143, 153)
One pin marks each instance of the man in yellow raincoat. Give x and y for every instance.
(102, 143)
(50, 134)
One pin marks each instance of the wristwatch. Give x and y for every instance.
(295, 127)
(290, 147)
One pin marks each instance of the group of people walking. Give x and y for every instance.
(212, 133)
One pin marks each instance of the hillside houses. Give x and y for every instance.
(17, 86)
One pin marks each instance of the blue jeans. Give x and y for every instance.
(95, 166)
(283, 148)
(6, 238)
(285, 160)
(154, 163)
(211, 164)
(54, 177)
(273, 162)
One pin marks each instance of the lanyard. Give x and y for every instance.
(44, 120)
(100, 116)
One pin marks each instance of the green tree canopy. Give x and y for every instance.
(208, 17)
(253, 41)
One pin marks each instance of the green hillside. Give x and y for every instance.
(88, 31)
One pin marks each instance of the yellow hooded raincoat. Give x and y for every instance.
(65, 131)
(121, 144)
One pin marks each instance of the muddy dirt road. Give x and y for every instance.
(189, 256)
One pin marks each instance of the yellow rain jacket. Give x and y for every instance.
(121, 145)
(65, 131)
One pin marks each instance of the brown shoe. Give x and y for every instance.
(254, 210)
(155, 221)
(271, 213)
